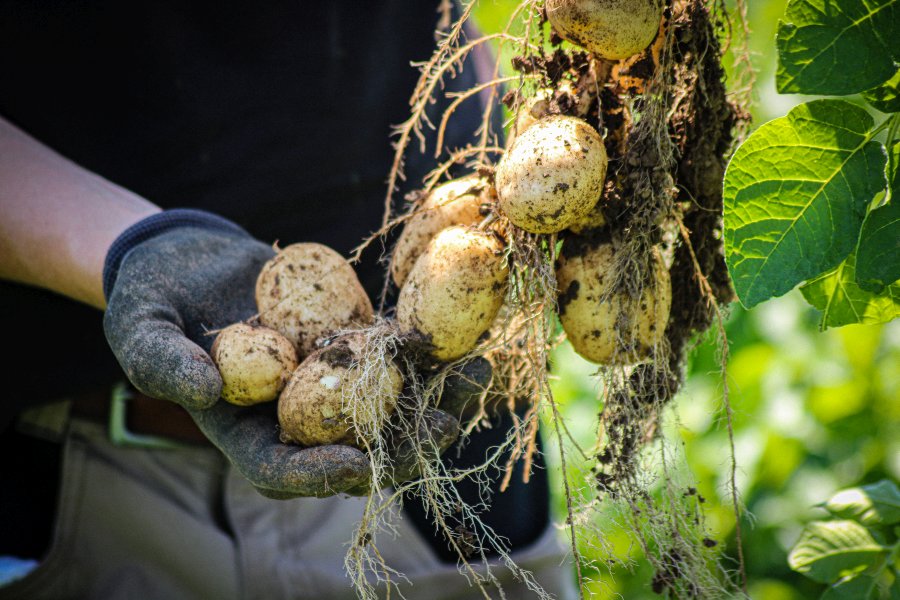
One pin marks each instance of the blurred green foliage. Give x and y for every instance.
(814, 412)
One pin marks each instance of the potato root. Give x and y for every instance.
(552, 175)
(313, 409)
(308, 290)
(454, 291)
(612, 29)
(456, 202)
(605, 327)
(255, 363)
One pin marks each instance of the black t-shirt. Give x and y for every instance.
(274, 114)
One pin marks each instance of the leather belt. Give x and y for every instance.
(141, 416)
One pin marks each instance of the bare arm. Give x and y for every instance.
(57, 220)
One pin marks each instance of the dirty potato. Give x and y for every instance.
(612, 29)
(255, 363)
(605, 327)
(314, 409)
(552, 175)
(456, 202)
(454, 291)
(308, 290)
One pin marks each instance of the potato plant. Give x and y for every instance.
(606, 203)
(603, 211)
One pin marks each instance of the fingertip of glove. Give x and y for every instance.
(193, 381)
(198, 384)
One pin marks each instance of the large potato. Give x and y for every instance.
(552, 175)
(456, 202)
(308, 290)
(313, 409)
(594, 318)
(454, 291)
(612, 29)
(255, 363)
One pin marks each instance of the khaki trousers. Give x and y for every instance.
(181, 523)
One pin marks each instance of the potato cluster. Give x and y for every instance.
(452, 274)
(306, 292)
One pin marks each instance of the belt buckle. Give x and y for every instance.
(119, 433)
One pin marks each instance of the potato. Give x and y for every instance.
(533, 109)
(308, 290)
(611, 29)
(593, 318)
(552, 175)
(594, 220)
(454, 291)
(255, 363)
(313, 409)
(456, 202)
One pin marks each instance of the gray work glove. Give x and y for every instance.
(171, 279)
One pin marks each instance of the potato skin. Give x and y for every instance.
(590, 322)
(255, 363)
(456, 202)
(552, 175)
(454, 291)
(310, 409)
(308, 290)
(612, 29)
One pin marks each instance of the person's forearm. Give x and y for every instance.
(57, 220)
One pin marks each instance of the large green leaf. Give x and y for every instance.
(830, 550)
(843, 302)
(875, 504)
(885, 97)
(796, 193)
(837, 47)
(860, 587)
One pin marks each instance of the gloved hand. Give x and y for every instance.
(170, 280)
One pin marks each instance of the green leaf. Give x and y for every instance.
(875, 504)
(859, 587)
(796, 192)
(837, 47)
(885, 97)
(878, 255)
(878, 249)
(895, 588)
(843, 302)
(830, 550)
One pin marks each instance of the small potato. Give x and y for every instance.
(552, 175)
(255, 363)
(594, 319)
(454, 291)
(313, 410)
(456, 202)
(611, 29)
(308, 290)
(594, 220)
(533, 109)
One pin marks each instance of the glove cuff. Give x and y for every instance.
(153, 226)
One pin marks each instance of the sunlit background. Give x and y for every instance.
(814, 411)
